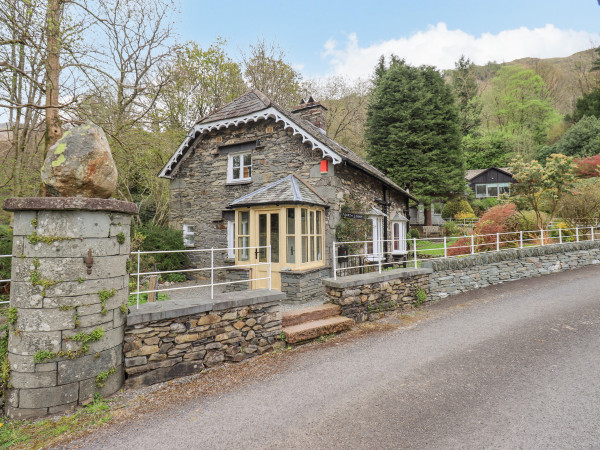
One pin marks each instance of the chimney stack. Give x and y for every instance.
(313, 112)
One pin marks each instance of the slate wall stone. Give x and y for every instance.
(302, 286)
(185, 342)
(456, 275)
(57, 299)
(367, 297)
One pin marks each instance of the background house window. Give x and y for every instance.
(239, 167)
(188, 235)
(491, 189)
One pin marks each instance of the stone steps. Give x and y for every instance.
(298, 316)
(314, 328)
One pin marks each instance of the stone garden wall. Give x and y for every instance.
(456, 275)
(304, 285)
(367, 296)
(165, 340)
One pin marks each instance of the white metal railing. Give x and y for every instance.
(211, 268)
(5, 281)
(419, 250)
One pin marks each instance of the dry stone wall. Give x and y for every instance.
(66, 339)
(171, 339)
(367, 297)
(456, 275)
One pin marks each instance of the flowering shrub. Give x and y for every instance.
(498, 219)
(587, 167)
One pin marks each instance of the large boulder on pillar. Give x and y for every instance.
(80, 164)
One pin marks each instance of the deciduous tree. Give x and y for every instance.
(538, 187)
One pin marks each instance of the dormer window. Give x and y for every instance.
(239, 167)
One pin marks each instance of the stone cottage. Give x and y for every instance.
(252, 174)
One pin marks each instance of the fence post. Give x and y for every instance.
(560, 235)
(520, 239)
(212, 273)
(379, 263)
(542, 235)
(472, 245)
(445, 247)
(497, 241)
(334, 261)
(592, 233)
(415, 250)
(138, 281)
(577, 234)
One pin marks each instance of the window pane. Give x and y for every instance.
(312, 247)
(505, 189)
(304, 249)
(291, 221)
(319, 248)
(236, 161)
(275, 238)
(396, 236)
(480, 190)
(492, 190)
(236, 174)
(319, 222)
(312, 222)
(291, 249)
(247, 159)
(244, 228)
(303, 221)
(243, 252)
(262, 237)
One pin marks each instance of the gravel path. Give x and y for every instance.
(510, 366)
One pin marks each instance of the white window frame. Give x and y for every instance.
(402, 237)
(376, 238)
(487, 189)
(231, 239)
(243, 156)
(188, 235)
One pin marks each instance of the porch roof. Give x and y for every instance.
(288, 190)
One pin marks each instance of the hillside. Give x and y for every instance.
(567, 78)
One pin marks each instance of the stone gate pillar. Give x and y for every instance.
(68, 295)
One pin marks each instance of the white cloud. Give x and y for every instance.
(441, 47)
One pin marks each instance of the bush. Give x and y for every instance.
(499, 219)
(527, 221)
(452, 229)
(413, 233)
(481, 205)
(161, 238)
(456, 206)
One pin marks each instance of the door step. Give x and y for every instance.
(298, 316)
(310, 323)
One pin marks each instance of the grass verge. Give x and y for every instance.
(24, 434)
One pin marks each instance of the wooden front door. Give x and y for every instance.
(267, 226)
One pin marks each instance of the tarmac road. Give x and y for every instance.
(511, 366)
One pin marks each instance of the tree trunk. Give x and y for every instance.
(53, 123)
(428, 220)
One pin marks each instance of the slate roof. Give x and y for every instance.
(288, 190)
(471, 174)
(254, 101)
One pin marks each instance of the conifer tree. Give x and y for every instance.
(413, 130)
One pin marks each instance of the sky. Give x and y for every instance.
(331, 37)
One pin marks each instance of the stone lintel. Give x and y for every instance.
(150, 312)
(374, 277)
(69, 204)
